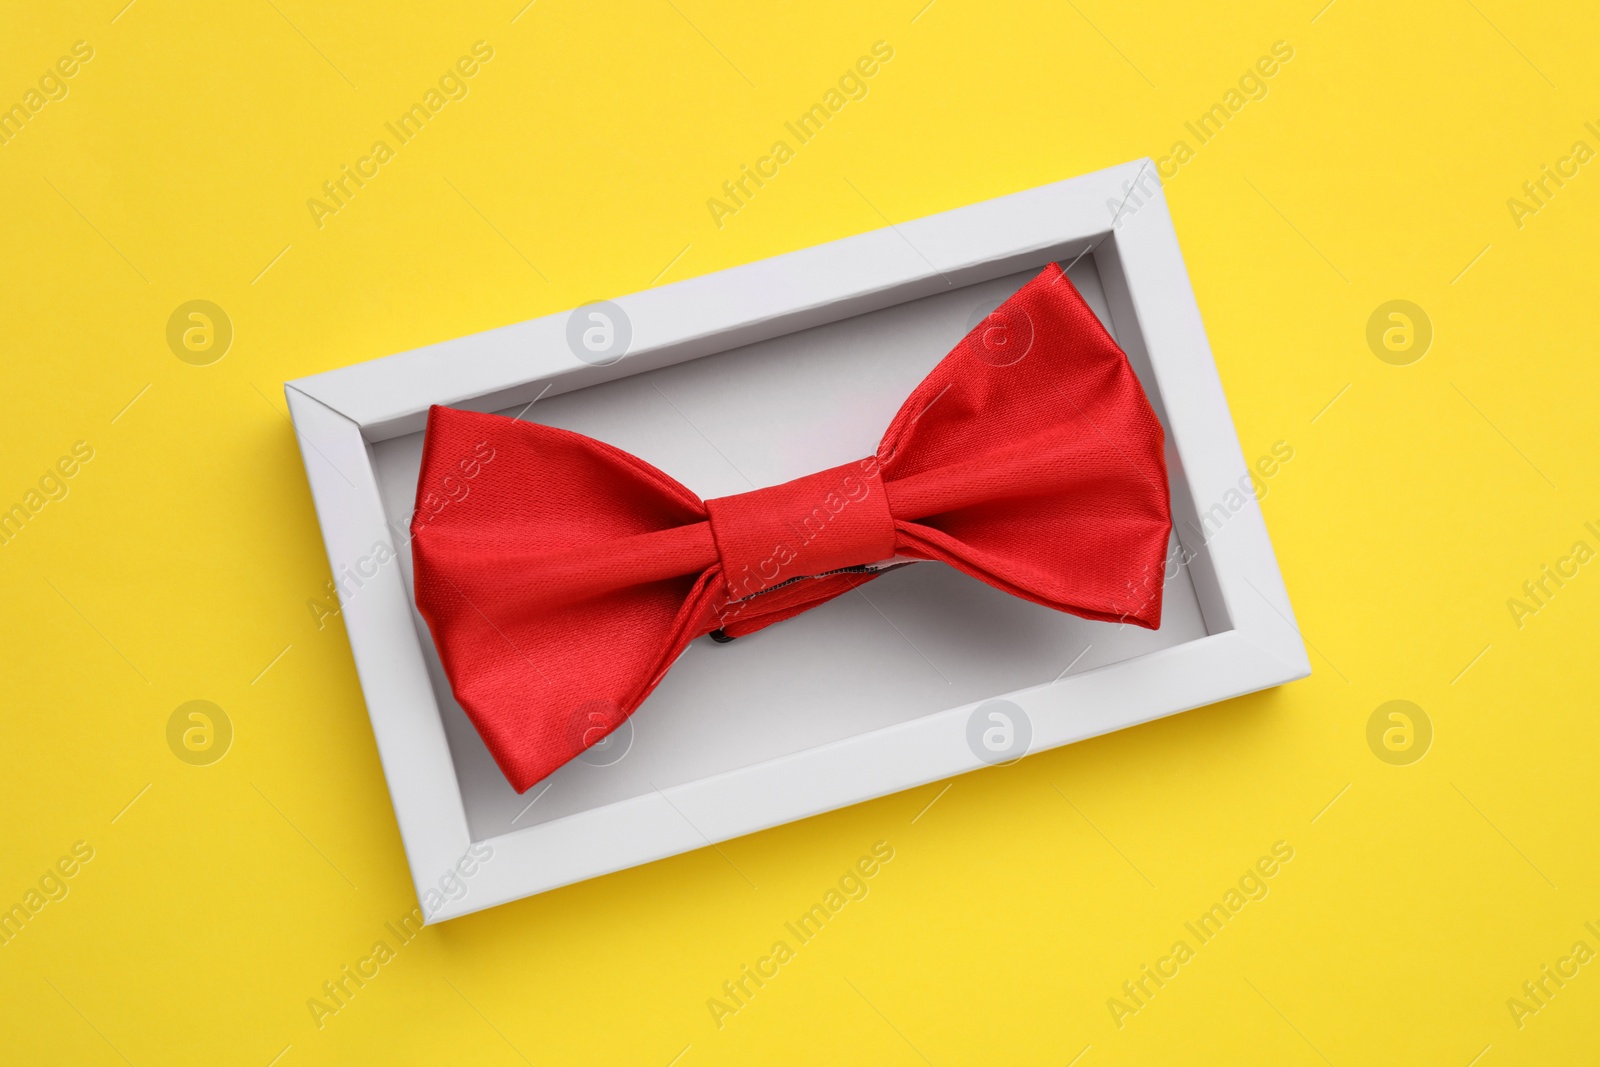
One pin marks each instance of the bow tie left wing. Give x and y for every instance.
(559, 577)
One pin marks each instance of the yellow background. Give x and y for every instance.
(179, 566)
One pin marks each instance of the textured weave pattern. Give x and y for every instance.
(561, 577)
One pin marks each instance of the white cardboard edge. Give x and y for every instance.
(337, 413)
(377, 617)
(1201, 429)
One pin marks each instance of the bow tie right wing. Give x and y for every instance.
(1031, 459)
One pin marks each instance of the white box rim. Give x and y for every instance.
(337, 414)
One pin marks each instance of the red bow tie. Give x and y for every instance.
(562, 583)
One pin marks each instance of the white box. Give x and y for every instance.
(733, 380)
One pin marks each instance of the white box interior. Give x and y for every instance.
(917, 641)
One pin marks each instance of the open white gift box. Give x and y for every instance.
(754, 376)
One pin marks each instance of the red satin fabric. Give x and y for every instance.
(824, 522)
(561, 577)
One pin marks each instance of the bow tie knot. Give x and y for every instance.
(828, 521)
